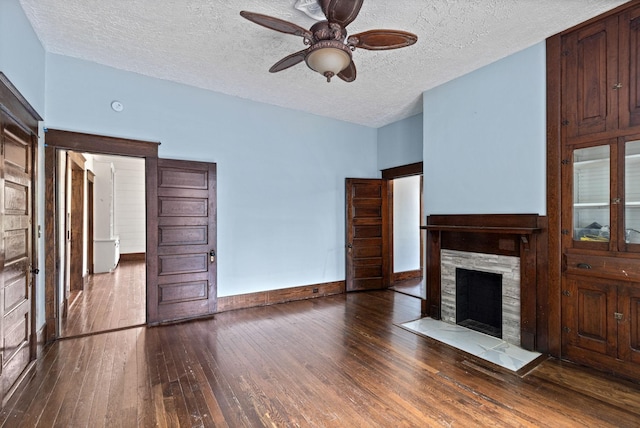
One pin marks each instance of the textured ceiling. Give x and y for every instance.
(205, 43)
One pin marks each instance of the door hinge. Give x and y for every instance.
(564, 122)
(565, 231)
(566, 293)
(565, 53)
(566, 329)
(618, 316)
(565, 161)
(617, 86)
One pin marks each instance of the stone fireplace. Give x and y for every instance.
(505, 245)
(493, 311)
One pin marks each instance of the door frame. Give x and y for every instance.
(391, 174)
(90, 181)
(76, 170)
(99, 144)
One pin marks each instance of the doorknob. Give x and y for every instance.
(212, 256)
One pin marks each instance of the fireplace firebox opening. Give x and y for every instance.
(479, 301)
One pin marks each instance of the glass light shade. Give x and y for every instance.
(328, 60)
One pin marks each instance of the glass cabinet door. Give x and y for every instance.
(591, 194)
(632, 192)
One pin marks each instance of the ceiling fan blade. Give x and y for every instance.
(349, 73)
(341, 11)
(276, 24)
(382, 39)
(289, 61)
(324, 5)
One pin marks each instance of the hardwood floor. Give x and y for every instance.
(109, 301)
(338, 361)
(410, 287)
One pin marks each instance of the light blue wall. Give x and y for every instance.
(280, 179)
(22, 57)
(485, 139)
(400, 143)
(22, 60)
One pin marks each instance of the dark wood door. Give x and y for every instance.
(16, 278)
(590, 71)
(76, 227)
(588, 318)
(629, 324)
(367, 234)
(629, 101)
(182, 272)
(90, 198)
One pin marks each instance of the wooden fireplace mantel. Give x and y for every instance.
(483, 229)
(516, 235)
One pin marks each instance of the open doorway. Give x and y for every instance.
(103, 242)
(407, 243)
(407, 236)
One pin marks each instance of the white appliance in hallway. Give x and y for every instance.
(106, 245)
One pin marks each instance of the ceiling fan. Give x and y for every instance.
(329, 53)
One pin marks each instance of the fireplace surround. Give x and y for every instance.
(506, 298)
(520, 236)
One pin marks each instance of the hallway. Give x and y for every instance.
(108, 302)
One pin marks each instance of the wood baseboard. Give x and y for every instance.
(133, 257)
(272, 297)
(410, 274)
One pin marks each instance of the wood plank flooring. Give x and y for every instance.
(410, 287)
(337, 361)
(109, 301)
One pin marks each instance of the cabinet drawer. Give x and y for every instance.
(619, 268)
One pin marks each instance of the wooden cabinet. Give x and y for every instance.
(601, 323)
(589, 317)
(600, 76)
(629, 325)
(594, 191)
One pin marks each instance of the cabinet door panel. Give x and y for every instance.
(629, 325)
(589, 73)
(589, 316)
(629, 93)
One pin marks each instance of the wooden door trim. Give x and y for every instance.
(90, 199)
(17, 106)
(67, 140)
(554, 198)
(403, 171)
(76, 207)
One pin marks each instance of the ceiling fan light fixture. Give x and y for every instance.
(328, 57)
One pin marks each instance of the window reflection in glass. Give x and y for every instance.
(591, 188)
(632, 192)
